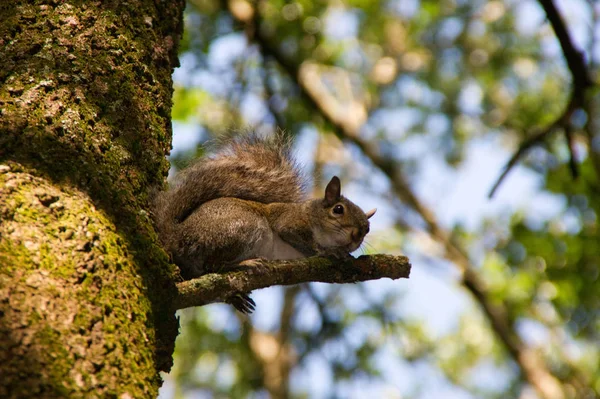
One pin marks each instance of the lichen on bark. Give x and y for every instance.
(74, 302)
(85, 98)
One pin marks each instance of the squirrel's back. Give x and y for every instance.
(248, 167)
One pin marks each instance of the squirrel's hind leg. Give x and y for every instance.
(222, 233)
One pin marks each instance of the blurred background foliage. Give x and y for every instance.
(416, 105)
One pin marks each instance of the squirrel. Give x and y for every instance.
(247, 200)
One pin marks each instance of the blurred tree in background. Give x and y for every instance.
(416, 105)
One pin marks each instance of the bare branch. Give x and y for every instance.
(574, 57)
(572, 154)
(535, 139)
(580, 82)
(217, 287)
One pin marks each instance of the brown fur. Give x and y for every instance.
(246, 200)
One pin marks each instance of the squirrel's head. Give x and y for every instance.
(341, 223)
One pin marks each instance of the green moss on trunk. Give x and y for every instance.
(85, 98)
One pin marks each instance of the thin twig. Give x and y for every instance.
(533, 140)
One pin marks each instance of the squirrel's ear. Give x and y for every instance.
(333, 191)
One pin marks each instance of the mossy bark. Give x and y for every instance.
(85, 102)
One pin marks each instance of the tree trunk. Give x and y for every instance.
(85, 103)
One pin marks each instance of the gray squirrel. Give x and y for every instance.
(246, 201)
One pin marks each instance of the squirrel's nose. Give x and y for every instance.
(356, 234)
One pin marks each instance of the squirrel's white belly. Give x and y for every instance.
(273, 247)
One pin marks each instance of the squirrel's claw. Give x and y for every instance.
(242, 302)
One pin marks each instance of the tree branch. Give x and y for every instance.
(581, 81)
(533, 140)
(217, 287)
(574, 57)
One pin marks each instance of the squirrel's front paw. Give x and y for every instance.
(256, 264)
(337, 253)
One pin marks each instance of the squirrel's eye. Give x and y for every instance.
(338, 209)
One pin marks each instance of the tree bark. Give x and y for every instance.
(217, 287)
(85, 102)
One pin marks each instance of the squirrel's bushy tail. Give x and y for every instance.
(247, 166)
